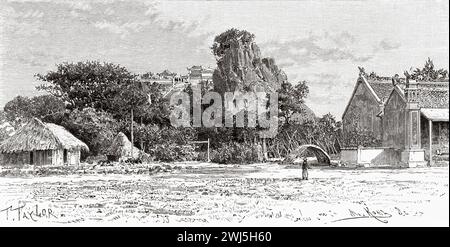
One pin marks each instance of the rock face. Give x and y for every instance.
(240, 67)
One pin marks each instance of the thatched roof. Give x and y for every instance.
(36, 135)
(121, 147)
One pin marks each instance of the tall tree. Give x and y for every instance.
(130, 97)
(45, 107)
(18, 110)
(94, 127)
(86, 84)
(291, 99)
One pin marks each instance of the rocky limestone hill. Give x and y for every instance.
(241, 67)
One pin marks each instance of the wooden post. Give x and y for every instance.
(132, 137)
(208, 151)
(142, 141)
(430, 125)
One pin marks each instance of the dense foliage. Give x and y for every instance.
(235, 153)
(429, 72)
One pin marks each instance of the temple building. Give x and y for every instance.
(397, 122)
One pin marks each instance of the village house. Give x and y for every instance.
(39, 143)
(396, 121)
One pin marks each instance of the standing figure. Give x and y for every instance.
(259, 151)
(305, 169)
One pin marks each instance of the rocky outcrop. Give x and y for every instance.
(240, 67)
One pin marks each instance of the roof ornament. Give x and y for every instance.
(395, 79)
(407, 76)
(362, 71)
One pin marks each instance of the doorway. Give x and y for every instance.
(31, 158)
(65, 156)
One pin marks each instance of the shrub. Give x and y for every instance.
(234, 153)
(173, 152)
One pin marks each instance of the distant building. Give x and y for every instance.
(166, 79)
(408, 120)
(197, 74)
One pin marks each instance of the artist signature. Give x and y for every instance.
(367, 213)
(23, 212)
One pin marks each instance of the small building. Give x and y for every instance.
(39, 143)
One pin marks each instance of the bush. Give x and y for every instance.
(173, 152)
(235, 153)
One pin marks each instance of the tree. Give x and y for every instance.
(226, 40)
(129, 98)
(17, 110)
(48, 108)
(328, 133)
(86, 84)
(291, 99)
(45, 107)
(156, 109)
(6, 129)
(94, 127)
(429, 73)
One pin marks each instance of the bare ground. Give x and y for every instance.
(199, 194)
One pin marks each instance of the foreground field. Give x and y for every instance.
(247, 195)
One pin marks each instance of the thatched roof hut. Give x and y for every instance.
(43, 143)
(122, 148)
(37, 135)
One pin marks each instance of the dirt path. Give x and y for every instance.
(205, 194)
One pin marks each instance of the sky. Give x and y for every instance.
(322, 42)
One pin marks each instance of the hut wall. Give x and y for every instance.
(73, 157)
(57, 157)
(15, 159)
(42, 157)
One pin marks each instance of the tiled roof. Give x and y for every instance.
(196, 67)
(434, 97)
(432, 94)
(382, 88)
